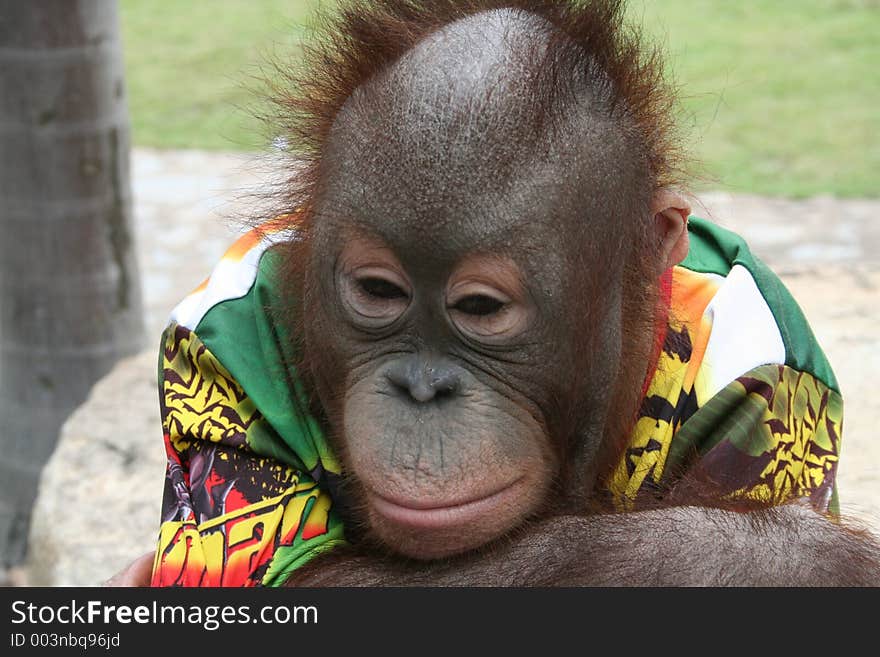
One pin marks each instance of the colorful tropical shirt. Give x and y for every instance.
(740, 395)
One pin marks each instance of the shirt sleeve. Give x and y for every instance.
(232, 516)
(741, 405)
(771, 435)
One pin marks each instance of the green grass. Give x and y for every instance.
(779, 98)
(191, 67)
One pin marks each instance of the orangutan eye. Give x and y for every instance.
(374, 298)
(479, 305)
(381, 289)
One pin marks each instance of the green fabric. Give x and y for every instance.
(289, 558)
(241, 334)
(729, 415)
(715, 250)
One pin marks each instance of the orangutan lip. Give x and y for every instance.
(429, 515)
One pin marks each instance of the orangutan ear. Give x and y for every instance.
(671, 211)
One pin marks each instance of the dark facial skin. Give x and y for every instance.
(455, 279)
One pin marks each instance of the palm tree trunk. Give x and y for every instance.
(70, 301)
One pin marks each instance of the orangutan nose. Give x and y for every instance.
(424, 379)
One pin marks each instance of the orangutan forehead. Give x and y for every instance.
(478, 76)
(480, 130)
(490, 88)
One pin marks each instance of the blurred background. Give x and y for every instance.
(129, 154)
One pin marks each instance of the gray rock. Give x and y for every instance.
(100, 494)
